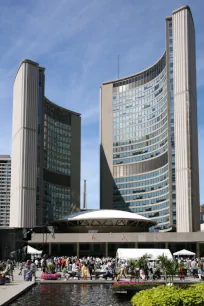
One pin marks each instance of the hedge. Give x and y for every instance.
(170, 296)
(137, 286)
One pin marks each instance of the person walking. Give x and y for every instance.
(33, 270)
(91, 268)
(123, 270)
(84, 271)
(20, 268)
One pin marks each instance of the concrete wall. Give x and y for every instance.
(106, 147)
(24, 146)
(75, 161)
(185, 111)
(118, 237)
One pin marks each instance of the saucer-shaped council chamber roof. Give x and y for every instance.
(104, 220)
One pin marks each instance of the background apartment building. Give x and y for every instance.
(5, 185)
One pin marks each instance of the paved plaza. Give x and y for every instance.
(9, 292)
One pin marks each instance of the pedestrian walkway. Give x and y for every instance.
(9, 292)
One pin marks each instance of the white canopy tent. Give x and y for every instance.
(126, 254)
(33, 251)
(184, 253)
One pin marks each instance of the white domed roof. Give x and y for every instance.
(105, 214)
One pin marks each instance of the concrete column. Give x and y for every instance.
(197, 249)
(58, 250)
(166, 245)
(106, 249)
(77, 249)
(50, 249)
(136, 245)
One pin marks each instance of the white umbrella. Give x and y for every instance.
(184, 253)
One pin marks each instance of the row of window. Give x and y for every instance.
(56, 138)
(140, 145)
(143, 183)
(146, 137)
(50, 129)
(141, 189)
(160, 221)
(58, 197)
(143, 151)
(58, 194)
(56, 189)
(143, 122)
(56, 208)
(151, 207)
(141, 134)
(141, 114)
(61, 147)
(55, 123)
(139, 108)
(156, 214)
(141, 158)
(58, 169)
(143, 104)
(149, 78)
(159, 199)
(57, 146)
(61, 153)
(142, 177)
(140, 98)
(155, 194)
(58, 162)
(60, 203)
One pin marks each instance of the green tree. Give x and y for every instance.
(169, 267)
(143, 261)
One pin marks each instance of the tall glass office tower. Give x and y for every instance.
(46, 146)
(5, 185)
(149, 139)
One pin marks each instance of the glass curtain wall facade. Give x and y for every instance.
(57, 159)
(140, 133)
(138, 154)
(5, 185)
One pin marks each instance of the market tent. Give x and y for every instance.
(184, 253)
(33, 251)
(137, 253)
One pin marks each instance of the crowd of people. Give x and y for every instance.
(87, 267)
(73, 267)
(105, 267)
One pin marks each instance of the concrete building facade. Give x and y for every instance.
(5, 185)
(46, 138)
(149, 137)
(106, 244)
(202, 213)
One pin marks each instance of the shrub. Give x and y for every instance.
(170, 296)
(193, 295)
(51, 268)
(164, 296)
(2, 267)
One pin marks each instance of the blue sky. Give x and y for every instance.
(78, 42)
